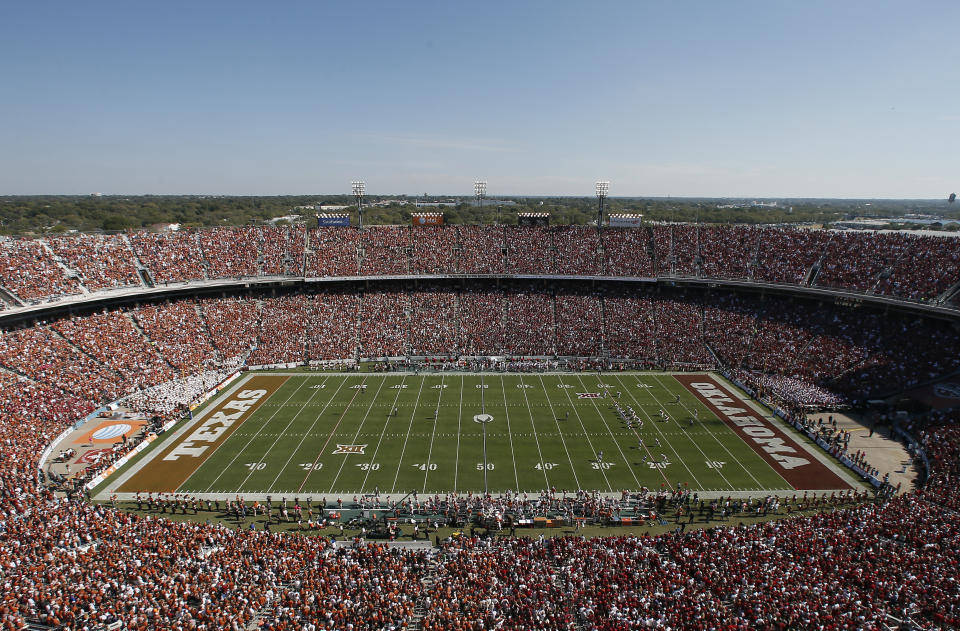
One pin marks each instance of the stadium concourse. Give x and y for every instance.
(65, 563)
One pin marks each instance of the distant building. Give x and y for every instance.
(435, 203)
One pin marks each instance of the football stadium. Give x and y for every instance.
(480, 426)
(503, 316)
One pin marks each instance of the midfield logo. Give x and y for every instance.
(588, 395)
(350, 449)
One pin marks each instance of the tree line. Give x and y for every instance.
(38, 214)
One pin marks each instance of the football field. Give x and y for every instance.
(354, 433)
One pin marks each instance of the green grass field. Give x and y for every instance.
(336, 434)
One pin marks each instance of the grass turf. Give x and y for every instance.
(542, 436)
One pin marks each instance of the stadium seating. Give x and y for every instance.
(530, 250)
(482, 249)
(30, 272)
(71, 564)
(901, 265)
(333, 252)
(282, 250)
(171, 257)
(102, 261)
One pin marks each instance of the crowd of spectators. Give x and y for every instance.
(579, 251)
(64, 562)
(903, 265)
(680, 333)
(481, 314)
(579, 325)
(529, 325)
(233, 325)
(939, 436)
(481, 250)
(928, 267)
(434, 327)
(29, 271)
(729, 324)
(787, 255)
(386, 250)
(837, 354)
(171, 257)
(179, 333)
(862, 567)
(630, 327)
(334, 251)
(728, 251)
(332, 325)
(112, 339)
(911, 351)
(677, 248)
(530, 250)
(283, 330)
(230, 252)
(781, 335)
(281, 250)
(628, 252)
(433, 250)
(46, 357)
(104, 261)
(855, 260)
(802, 392)
(383, 324)
(166, 400)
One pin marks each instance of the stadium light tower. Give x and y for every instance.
(603, 187)
(357, 187)
(479, 190)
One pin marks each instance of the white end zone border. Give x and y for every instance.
(167, 435)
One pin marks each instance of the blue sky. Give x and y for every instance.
(812, 99)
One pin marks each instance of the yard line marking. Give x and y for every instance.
(695, 443)
(403, 450)
(516, 477)
(456, 463)
(546, 480)
(636, 433)
(656, 426)
(284, 432)
(252, 438)
(612, 437)
(718, 441)
(356, 434)
(376, 450)
(576, 411)
(436, 420)
(330, 437)
(560, 432)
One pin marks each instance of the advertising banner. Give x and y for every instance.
(324, 219)
(626, 221)
(427, 219)
(533, 219)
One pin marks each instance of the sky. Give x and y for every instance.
(850, 99)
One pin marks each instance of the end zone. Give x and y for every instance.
(777, 448)
(172, 465)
